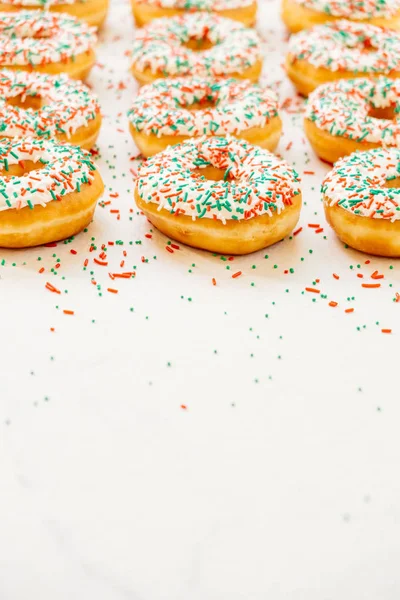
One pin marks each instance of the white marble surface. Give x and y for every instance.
(279, 480)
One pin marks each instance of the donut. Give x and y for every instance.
(48, 191)
(361, 199)
(169, 111)
(220, 194)
(93, 12)
(47, 43)
(304, 14)
(353, 114)
(199, 44)
(341, 50)
(145, 11)
(48, 106)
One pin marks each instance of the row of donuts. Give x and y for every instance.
(343, 114)
(49, 184)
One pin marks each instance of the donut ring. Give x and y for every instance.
(48, 107)
(341, 50)
(200, 44)
(339, 116)
(361, 199)
(220, 194)
(93, 12)
(145, 11)
(169, 111)
(46, 43)
(48, 191)
(304, 14)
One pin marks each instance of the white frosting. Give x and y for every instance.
(160, 46)
(354, 9)
(342, 108)
(162, 108)
(66, 168)
(357, 184)
(67, 104)
(36, 37)
(347, 46)
(256, 182)
(207, 5)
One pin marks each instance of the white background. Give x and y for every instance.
(197, 449)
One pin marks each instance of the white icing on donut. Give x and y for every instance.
(342, 108)
(357, 182)
(353, 9)
(255, 182)
(67, 104)
(347, 46)
(39, 38)
(207, 5)
(66, 168)
(163, 107)
(160, 46)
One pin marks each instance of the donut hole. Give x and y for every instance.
(25, 101)
(388, 113)
(198, 44)
(22, 168)
(202, 105)
(211, 173)
(392, 183)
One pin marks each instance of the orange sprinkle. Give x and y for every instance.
(169, 249)
(376, 275)
(360, 275)
(316, 225)
(52, 329)
(148, 235)
(309, 172)
(73, 252)
(332, 303)
(335, 276)
(112, 290)
(315, 291)
(297, 231)
(237, 274)
(85, 264)
(68, 312)
(51, 288)
(102, 263)
(386, 331)
(214, 281)
(370, 285)
(41, 270)
(349, 310)
(319, 230)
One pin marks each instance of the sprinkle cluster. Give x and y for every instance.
(62, 169)
(342, 108)
(39, 38)
(347, 46)
(255, 181)
(354, 9)
(165, 107)
(67, 105)
(160, 46)
(357, 184)
(208, 5)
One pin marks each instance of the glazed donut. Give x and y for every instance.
(219, 194)
(48, 191)
(169, 111)
(47, 43)
(353, 114)
(145, 11)
(361, 198)
(48, 106)
(304, 14)
(199, 44)
(93, 12)
(341, 50)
